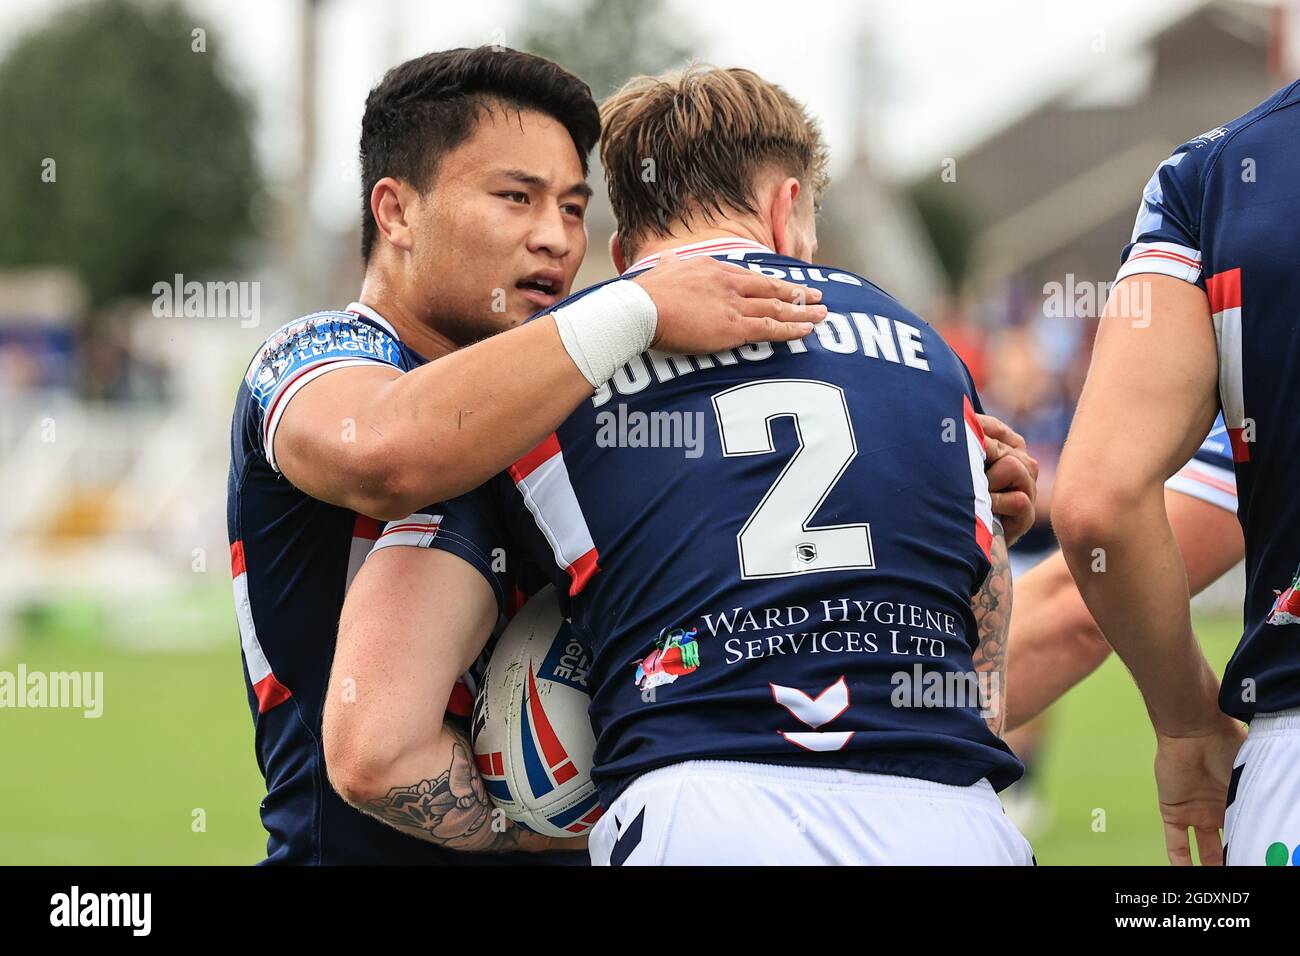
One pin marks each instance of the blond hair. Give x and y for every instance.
(695, 142)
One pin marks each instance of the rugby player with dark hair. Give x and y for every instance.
(474, 167)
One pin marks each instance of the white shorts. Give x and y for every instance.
(707, 812)
(1263, 824)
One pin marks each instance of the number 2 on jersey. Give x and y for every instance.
(776, 540)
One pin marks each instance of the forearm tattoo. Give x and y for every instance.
(992, 607)
(452, 810)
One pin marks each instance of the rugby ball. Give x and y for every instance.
(533, 741)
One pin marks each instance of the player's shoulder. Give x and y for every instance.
(823, 275)
(852, 298)
(842, 289)
(1261, 119)
(769, 264)
(316, 338)
(1201, 154)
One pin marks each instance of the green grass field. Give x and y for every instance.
(175, 737)
(1098, 757)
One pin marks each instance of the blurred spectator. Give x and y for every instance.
(964, 336)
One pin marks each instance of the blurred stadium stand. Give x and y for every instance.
(119, 493)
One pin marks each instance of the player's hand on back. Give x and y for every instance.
(1193, 772)
(706, 305)
(1013, 477)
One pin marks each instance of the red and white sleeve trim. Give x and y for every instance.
(1162, 258)
(413, 531)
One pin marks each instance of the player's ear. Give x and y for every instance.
(781, 211)
(388, 204)
(616, 253)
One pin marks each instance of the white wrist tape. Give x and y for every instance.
(607, 328)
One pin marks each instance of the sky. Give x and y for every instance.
(945, 71)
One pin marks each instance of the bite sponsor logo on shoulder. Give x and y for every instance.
(76, 909)
(1211, 136)
(676, 654)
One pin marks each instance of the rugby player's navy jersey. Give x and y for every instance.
(293, 558)
(771, 551)
(1223, 212)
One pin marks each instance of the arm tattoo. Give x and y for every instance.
(452, 810)
(992, 607)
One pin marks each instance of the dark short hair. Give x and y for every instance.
(426, 107)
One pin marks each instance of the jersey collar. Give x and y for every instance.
(705, 247)
(361, 309)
